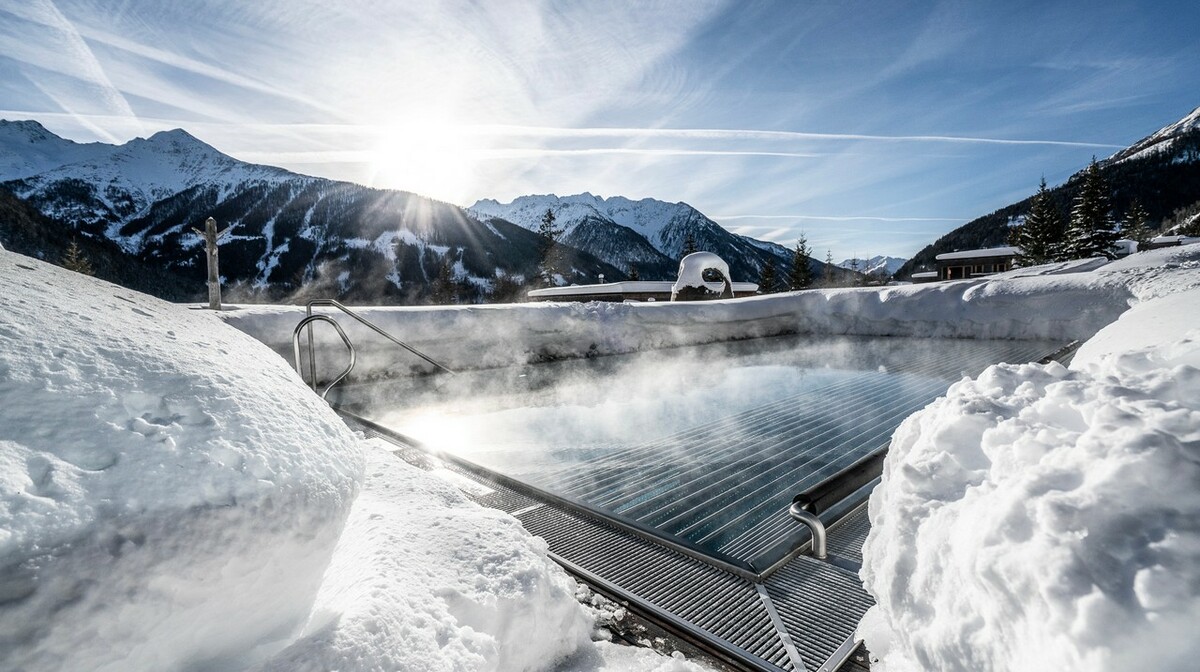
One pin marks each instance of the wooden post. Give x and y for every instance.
(211, 237)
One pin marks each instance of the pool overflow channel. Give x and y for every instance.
(708, 552)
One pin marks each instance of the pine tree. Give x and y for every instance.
(766, 277)
(1091, 232)
(1040, 236)
(689, 244)
(548, 267)
(800, 273)
(827, 277)
(633, 272)
(1135, 227)
(75, 261)
(443, 285)
(506, 289)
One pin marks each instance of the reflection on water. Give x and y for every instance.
(706, 443)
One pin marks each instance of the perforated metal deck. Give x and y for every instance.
(800, 618)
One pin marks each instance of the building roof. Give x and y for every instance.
(631, 287)
(1007, 251)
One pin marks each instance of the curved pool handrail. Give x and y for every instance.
(370, 325)
(296, 350)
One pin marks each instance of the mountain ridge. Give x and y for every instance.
(293, 236)
(1161, 172)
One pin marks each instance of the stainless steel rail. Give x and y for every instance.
(312, 361)
(306, 322)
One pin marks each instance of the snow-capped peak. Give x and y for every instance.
(1159, 141)
(28, 148)
(875, 265)
(646, 216)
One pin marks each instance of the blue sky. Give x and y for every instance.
(873, 127)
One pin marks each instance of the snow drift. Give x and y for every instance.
(1044, 518)
(167, 496)
(423, 579)
(173, 498)
(1064, 303)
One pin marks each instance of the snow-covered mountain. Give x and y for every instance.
(1161, 172)
(1160, 141)
(647, 233)
(289, 233)
(294, 235)
(877, 265)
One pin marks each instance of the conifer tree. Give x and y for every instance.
(1135, 227)
(1091, 232)
(800, 273)
(1040, 236)
(633, 272)
(443, 285)
(766, 277)
(689, 244)
(75, 261)
(548, 267)
(827, 277)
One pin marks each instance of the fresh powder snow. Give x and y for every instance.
(172, 497)
(1039, 517)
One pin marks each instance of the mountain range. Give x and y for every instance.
(294, 236)
(1160, 171)
(877, 265)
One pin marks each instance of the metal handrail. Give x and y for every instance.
(814, 525)
(312, 361)
(296, 350)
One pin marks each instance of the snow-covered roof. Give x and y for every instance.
(630, 287)
(1006, 251)
(923, 275)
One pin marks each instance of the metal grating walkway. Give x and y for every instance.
(801, 618)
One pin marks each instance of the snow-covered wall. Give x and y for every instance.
(1058, 302)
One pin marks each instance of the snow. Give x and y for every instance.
(1023, 304)
(1040, 517)
(692, 268)
(878, 264)
(646, 216)
(173, 497)
(166, 499)
(423, 579)
(978, 254)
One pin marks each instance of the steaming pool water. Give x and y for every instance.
(706, 445)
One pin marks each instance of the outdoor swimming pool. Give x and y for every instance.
(705, 445)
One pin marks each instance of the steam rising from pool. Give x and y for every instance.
(707, 443)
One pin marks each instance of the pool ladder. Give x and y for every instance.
(310, 318)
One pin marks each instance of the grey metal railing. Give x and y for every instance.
(312, 361)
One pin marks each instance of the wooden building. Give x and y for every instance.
(975, 263)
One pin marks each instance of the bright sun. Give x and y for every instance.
(427, 156)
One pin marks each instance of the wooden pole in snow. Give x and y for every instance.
(211, 237)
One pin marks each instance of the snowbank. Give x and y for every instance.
(424, 579)
(173, 498)
(1070, 303)
(1045, 518)
(169, 496)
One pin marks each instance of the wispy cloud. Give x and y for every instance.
(51, 43)
(845, 218)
